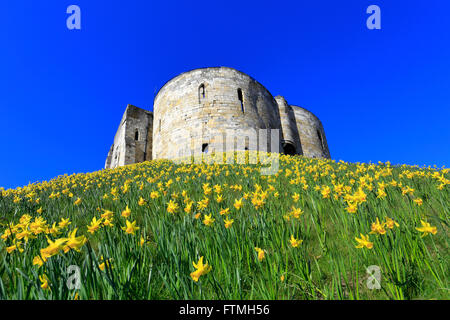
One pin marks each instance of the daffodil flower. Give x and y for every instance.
(364, 242)
(130, 227)
(426, 228)
(261, 254)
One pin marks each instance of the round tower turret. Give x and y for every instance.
(290, 138)
(204, 103)
(312, 134)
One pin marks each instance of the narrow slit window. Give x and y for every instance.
(241, 98)
(201, 93)
(136, 135)
(159, 125)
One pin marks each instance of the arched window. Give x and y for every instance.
(136, 135)
(241, 98)
(320, 139)
(205, 148)
(201, 93)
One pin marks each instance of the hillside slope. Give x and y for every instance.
(147, 231)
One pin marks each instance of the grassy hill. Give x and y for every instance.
(308, 232)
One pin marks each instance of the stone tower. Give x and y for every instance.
(202, 105)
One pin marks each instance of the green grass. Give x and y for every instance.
(325, 266)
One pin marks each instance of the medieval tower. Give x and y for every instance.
(206, 103)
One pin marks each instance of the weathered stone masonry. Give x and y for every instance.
(206, 103)
(133, 140)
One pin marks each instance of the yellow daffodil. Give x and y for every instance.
(426, 228)
(15, 246)
(126, 213)
(154, 194)
(64, 223)
(37, 260)
(390, 223)
(381, 193)
(326, 190)
(296, 212)
(6, 234)
(261, 254)
(44, 282)
(295, 242)
(74, 242)
(107, 214)
(105, 263)
(188, 207)
(141, 201)
(377, 228)
(94, 226)
(208, 220)
(53, 248)
(228, 222)
(238, 203)
(352, 208)
(25, 234)
(77, 202)
(364, 242)
(172, 207)
(54, 230)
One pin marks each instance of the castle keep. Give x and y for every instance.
(204, 104)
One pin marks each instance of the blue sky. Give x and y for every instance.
(381, 94)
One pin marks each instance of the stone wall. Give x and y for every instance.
(312, 135)
(200, 105)
(199, 110)
(291, 137)
(116, 155)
